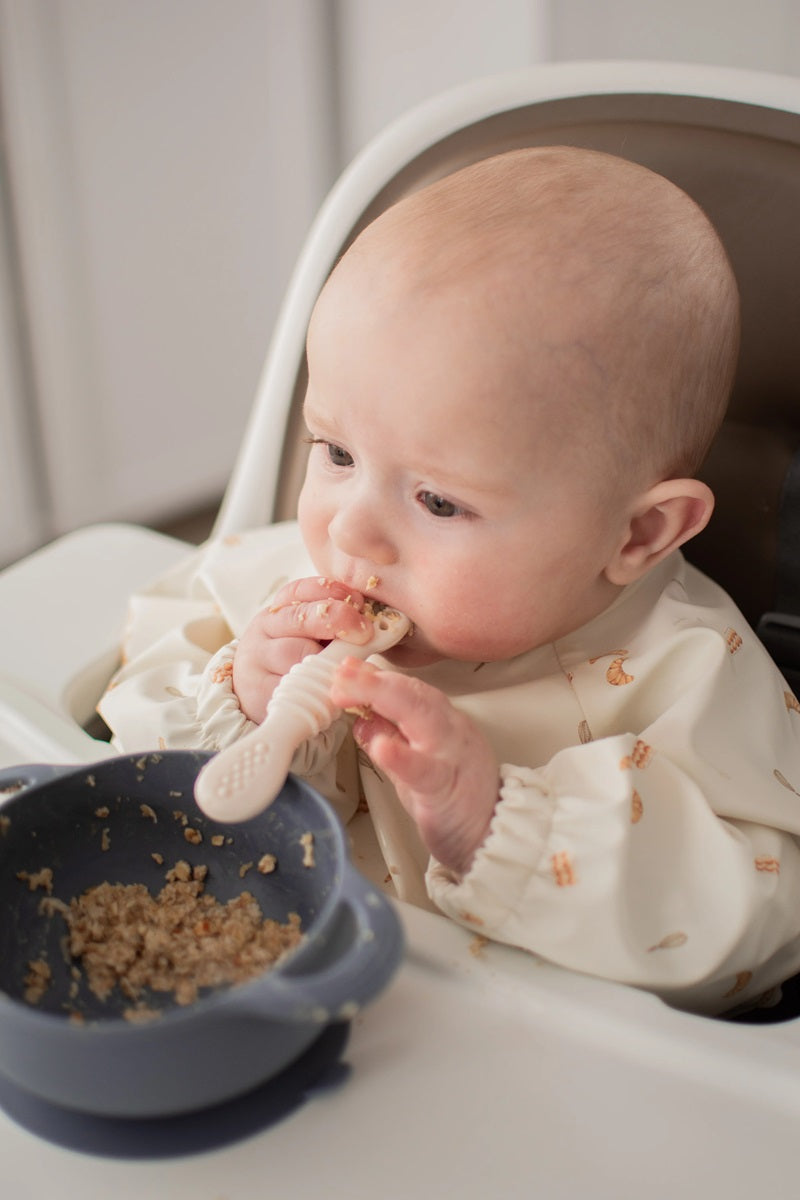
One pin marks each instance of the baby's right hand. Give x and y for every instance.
(301, 619)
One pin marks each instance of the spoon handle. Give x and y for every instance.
(244, 778)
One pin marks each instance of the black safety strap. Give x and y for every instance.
(780, 630)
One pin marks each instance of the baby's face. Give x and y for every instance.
(437, 487)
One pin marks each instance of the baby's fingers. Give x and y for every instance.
(421, 713)
(320, 609)
(407, 766)
(315, 587)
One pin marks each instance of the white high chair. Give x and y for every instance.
(732, 140)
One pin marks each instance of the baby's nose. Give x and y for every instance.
(361, 532)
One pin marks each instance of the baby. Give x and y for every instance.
(582, 749)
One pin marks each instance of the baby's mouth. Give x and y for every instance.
(374, 610)
(373, 605)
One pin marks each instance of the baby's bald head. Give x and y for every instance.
(596, 269)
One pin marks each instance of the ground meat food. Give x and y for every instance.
(179, 941)
(307, 842)
(38, 879)
(37, 981)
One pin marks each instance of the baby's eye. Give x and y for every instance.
(339, 456)
(439, 507)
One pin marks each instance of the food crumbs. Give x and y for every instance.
(372, 582)
(148, 812)
(244, 868)
(218, 839)
(37, 981)
(307, 842)
(157, 858)
(180, 873)
(140, 1014)
(267, 864)
(179, 941)
(38, 879)
(102, 812)
(193, 835)
(105, 839)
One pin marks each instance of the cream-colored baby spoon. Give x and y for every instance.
(243, 779)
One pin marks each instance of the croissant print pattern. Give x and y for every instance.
(616, 674)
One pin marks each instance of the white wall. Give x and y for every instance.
(758, 34)
(392, 56)
(22, 504)
(163, 160)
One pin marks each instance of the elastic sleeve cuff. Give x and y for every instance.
(219, 716)
(488, 895)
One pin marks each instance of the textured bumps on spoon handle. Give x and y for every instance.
(242, 780)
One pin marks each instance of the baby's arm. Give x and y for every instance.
(441, 765)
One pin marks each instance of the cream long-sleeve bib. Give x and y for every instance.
(649, 814)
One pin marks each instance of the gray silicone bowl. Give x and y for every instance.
(231, 1039)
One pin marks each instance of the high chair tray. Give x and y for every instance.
(481, 1072)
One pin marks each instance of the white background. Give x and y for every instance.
(161, 162)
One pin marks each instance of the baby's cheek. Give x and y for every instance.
(466, 636)
(488, 631)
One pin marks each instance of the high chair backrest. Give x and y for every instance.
(730, 138)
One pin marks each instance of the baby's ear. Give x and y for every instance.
(662, 519)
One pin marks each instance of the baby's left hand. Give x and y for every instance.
(441, 765)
